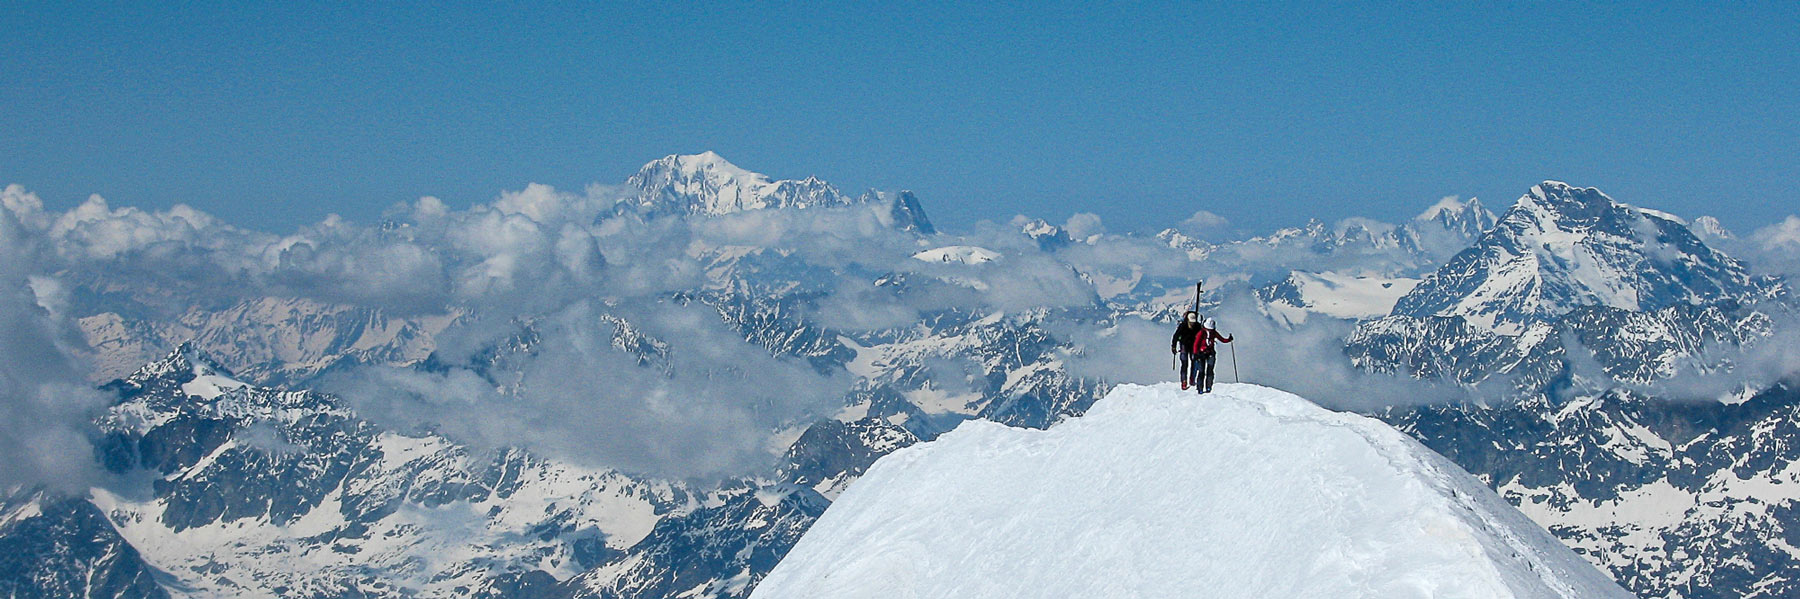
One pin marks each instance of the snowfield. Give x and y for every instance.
(963, 254)
(1155, 492)
(1340, 296)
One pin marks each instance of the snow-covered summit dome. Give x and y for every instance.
(706, 183)
(1250, 492)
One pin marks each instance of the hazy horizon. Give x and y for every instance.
(274, 117)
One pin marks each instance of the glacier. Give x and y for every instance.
(1247, 492)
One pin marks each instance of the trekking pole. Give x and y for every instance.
(1234, 374)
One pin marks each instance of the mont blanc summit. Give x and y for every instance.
(1249, 492)
(706, 184)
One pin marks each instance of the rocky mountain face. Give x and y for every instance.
(1578, 308)
(1569, 270)
(241, 489)
(718, 550)
(1674, 498)
(898, 209)
(53, 546)
(1562, 247)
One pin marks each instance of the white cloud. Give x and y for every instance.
(1772, 249)
(1203, 220)
(1084, 225)
(706, 407)
(1782, 235)
(45, 403)
(104, 232)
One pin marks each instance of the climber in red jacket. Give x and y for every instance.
(1206, 354)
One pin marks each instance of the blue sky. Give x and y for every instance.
(273, 116)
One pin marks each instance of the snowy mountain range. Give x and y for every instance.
(270, 339)
(1577, 325)
(290, 492)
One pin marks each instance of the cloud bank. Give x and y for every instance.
(45, 403)
(592, 336)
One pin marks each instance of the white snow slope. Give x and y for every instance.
(1342, 296)
(966, 254)
(1249, 492)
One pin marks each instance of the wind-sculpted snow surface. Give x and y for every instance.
(1250, 492)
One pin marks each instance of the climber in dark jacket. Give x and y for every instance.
(1206, 354)
(1183, 344)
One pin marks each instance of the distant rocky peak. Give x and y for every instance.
(1447, 227)
(899, 209)
(1050, 237)
(1567, 205)
(1448, 207)
(1710, 229)
(1468, 217)
(1557, 215)
(184, 362)
(1365, 231)
(1561, 247)
(707, 166)
(707, 184)
(1313, 232)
